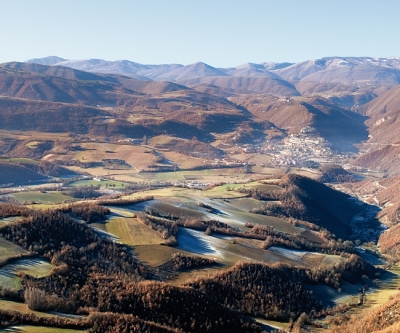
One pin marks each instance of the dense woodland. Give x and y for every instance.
(94, 274)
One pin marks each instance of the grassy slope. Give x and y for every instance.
(8, 249)
(36, 196)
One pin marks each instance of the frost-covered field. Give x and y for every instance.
(291, 254)
(198, 242)
(34, 267)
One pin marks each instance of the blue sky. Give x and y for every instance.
(218, 32)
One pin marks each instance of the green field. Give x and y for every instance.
(209, 175)
(154, 255)
(22, 308)
(102, 183)
(120, 211)
(8, 249)
(32, 144)
(21, 160)
(132, 232)
(32, 266)
(7, 220)
(39, 197)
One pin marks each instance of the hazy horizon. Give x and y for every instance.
(221, 34)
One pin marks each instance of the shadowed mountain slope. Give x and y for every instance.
(245, 85)
(341, 127)
(383, 145)
(18, 174)
(57, 84)
(389, 101)
(317, 203)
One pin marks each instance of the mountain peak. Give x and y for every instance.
(48, 61)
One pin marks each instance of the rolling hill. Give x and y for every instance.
(244, 84)
(12, 174)
(319, 204)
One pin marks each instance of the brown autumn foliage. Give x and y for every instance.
(166, 228)
(12, 318)
(82, 192)
(123, 202)
(181, 262)
(98, 274)
(193, 148)
(262, 289)
(389, 241)
(333, 173)
(89, 212)
(382, 319)
(10, 209)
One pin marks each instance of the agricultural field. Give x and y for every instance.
(387, 287)
(154, 255)
(38, 136)
(202, 176)
(31, 266)
(20, 160)
(193, 274)
(184, 161)
(41, 197)
(32, 144)
(102, 183)
(132, 232)
(224, 204)
(22, 308)
(181, 201)
(7, 220)
(229, 207)
(9, 250)
(138, 157)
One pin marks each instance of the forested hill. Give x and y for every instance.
(320, 204)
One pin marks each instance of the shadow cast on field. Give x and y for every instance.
(12, 329)
(192, 241)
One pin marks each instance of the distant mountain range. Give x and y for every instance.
(348, 81)
(349, 100)
(343, 70)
